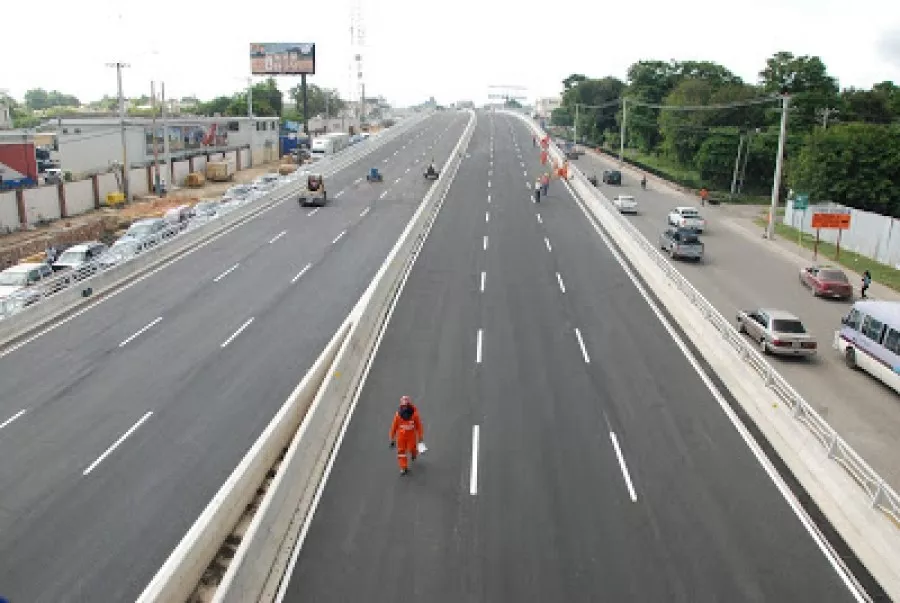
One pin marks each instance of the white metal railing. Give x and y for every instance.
(880, 494)
(32, 296)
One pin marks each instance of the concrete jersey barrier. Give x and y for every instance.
(83, 292)
(303, 424)
(256, 570)
(801, 436)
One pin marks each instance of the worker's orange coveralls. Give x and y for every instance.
(404, 432)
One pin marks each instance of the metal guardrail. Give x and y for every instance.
(32, 296)
(880, 494)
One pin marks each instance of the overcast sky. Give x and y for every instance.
(414, 49)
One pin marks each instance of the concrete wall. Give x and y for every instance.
(138, 182)
(79, 197)
(245, 158)
(872, 235)
(9, 212)
(107, 184)
(41, 202)
(94, 149)
(180, 171)
(200, 164)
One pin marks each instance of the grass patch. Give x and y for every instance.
(881, 273)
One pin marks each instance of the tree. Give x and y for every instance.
(648, 81)
(218, 105)
(561, 117)
(38, 99)
(593, 123)
(806, 79)
(851, 164)
(319, 100)
(870, 106)
(573, 80)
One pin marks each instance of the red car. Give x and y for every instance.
(826, 281)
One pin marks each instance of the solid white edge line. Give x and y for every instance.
(363, 213)
(312, 212)
(278, 236)
(238, 332)
(584, 352)
(485, 242)
(751, 443)
(483, 276)
(117, 442)
(623, 466)
(140, 331)
(547, 243)
(562, 286)
(226, 273)
(310, 515)
(478, 342)
(13, 418)
(473, 474)
(301, 273)
(339, 237)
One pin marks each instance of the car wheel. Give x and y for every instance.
(763, 346)
(740, 327)
(850, 357)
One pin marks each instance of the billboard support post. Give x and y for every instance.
(305, 105)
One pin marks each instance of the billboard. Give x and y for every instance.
(185, 138)
(282, 59)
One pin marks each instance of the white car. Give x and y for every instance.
(687, 217)
(626, 204)
(15, 282)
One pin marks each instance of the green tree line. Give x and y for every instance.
(842, 145)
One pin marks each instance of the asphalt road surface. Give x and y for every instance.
(127, 419)
(574, 453)
(743, 271)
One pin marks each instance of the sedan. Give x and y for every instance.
(777, 332)
(826, 281)
(626, 204)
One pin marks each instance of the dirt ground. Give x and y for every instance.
(105, 223)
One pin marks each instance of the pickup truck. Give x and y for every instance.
(681, 243)
(687, 217)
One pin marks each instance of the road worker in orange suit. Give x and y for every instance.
(406, 433)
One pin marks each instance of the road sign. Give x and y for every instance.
(801, 202)
(824, 220)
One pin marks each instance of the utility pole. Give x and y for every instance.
(622, 131)
(251, 125)
(165, 126)
(826, 113)
(737, 165)
(126, 189)
(155, 145)
(779, 166)
(576, 123)
(305, 105)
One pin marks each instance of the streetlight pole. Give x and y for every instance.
(165, 126)
(252, 125)
(779, 166)
(622, 131)
(576, 124)
(153, 137)
(737, 166)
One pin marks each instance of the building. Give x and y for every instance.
(544, 106)
(18, 162)
(94, 145)
(5, 116)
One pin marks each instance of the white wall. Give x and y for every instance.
(94, 148)
(9, 211)
(200, 164)
(79, 197)
(42, 202)
(245, 158)
(180, 172)
(138, 182)
(107, 184)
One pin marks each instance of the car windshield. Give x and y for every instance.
(788, 325)
(140, 230)
(13, 279)
(836, 276)
(689, 237)
(71, 257)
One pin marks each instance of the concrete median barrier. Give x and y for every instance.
(71, 299)
(861, 515)
(256, 570)
(308, 425)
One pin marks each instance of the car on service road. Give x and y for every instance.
(826, 281)
(80, 254)
(625, 204)
(777, 332)
(612, 177)
(681, 243)
(686, 217)
(16, 281)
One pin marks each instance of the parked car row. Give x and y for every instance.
(26, 284)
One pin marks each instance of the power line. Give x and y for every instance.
(731, 105)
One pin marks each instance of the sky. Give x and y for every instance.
(414, 50)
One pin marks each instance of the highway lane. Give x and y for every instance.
(860, 408)
(554, 354)
(209, 402)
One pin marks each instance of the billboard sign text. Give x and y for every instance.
(282, 58)
(829, 220)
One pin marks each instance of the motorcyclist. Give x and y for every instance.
(537, 191)
(644, 181)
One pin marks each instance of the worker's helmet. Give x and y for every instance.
(405, 401)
